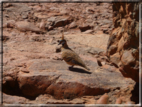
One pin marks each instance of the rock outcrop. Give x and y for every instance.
(35, 73)
(123, 45)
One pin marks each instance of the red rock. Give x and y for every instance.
(69, 84)
(72, 25)
(42, 25)
(118, 101)
(123, 35)
(8, 99)
(62, 21)
(121, 43)
(10, 81)
(31, 62)
(103, 99)
(112, 49)
(90, 10)
(127, 58)
(88, 31)
(5, 38)
(9, 24)
(115, 58)
(26, 26)
(84, 27)
(130, 102)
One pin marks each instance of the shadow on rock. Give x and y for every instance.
(79, 70)
(135, 94)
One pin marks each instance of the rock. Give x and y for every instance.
(135, 53)
(42, 25)
(105, 21)
(70, 84)
(7, 5)
(74, 101)
(8, 99)
(115, 58)
(25, 15)
(98, 38)
(72, 25)
(5, 38)
(124, 37)
(53, 32)
(121, 43)
(26, 26)
(99, 62)
(105, 28)
(9, 24)
(38, 38)
(127, 58)
(50, 27)
(36, 74)
(88, 31)
(103, 99)
(64, 12)
(130, 65)
(62, 22)
(118, 101)
(129, 102)
(10, 81)
(112, 49)
(51, 19)
(84, 27)
(90, 10)
(95, 51)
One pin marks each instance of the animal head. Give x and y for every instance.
(62, 41)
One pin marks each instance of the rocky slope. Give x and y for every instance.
(33, 70)
(123, 46)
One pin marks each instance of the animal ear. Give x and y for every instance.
(62, 35)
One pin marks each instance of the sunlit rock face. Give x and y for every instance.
(123, 45)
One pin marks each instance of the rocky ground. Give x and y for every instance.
(33, 70)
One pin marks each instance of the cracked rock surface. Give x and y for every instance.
(33, 70)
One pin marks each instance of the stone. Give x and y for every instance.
(38, 38)
(43, 79)
(9, 24)
(72, 25)
(62, 22)
(10, 81)
(51, 19)
(127, 58)
(88, 32)
(90, 10)
(41, 76)
(8, 99)
(26, 26)
(103, 99)
(125, 23)
(121, 44)
(84, 27)
(95, 51)
(112, 49)
(118, 101)
(5, 38)
(42, 25)
(115, 58)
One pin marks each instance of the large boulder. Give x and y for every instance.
(54, 78)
